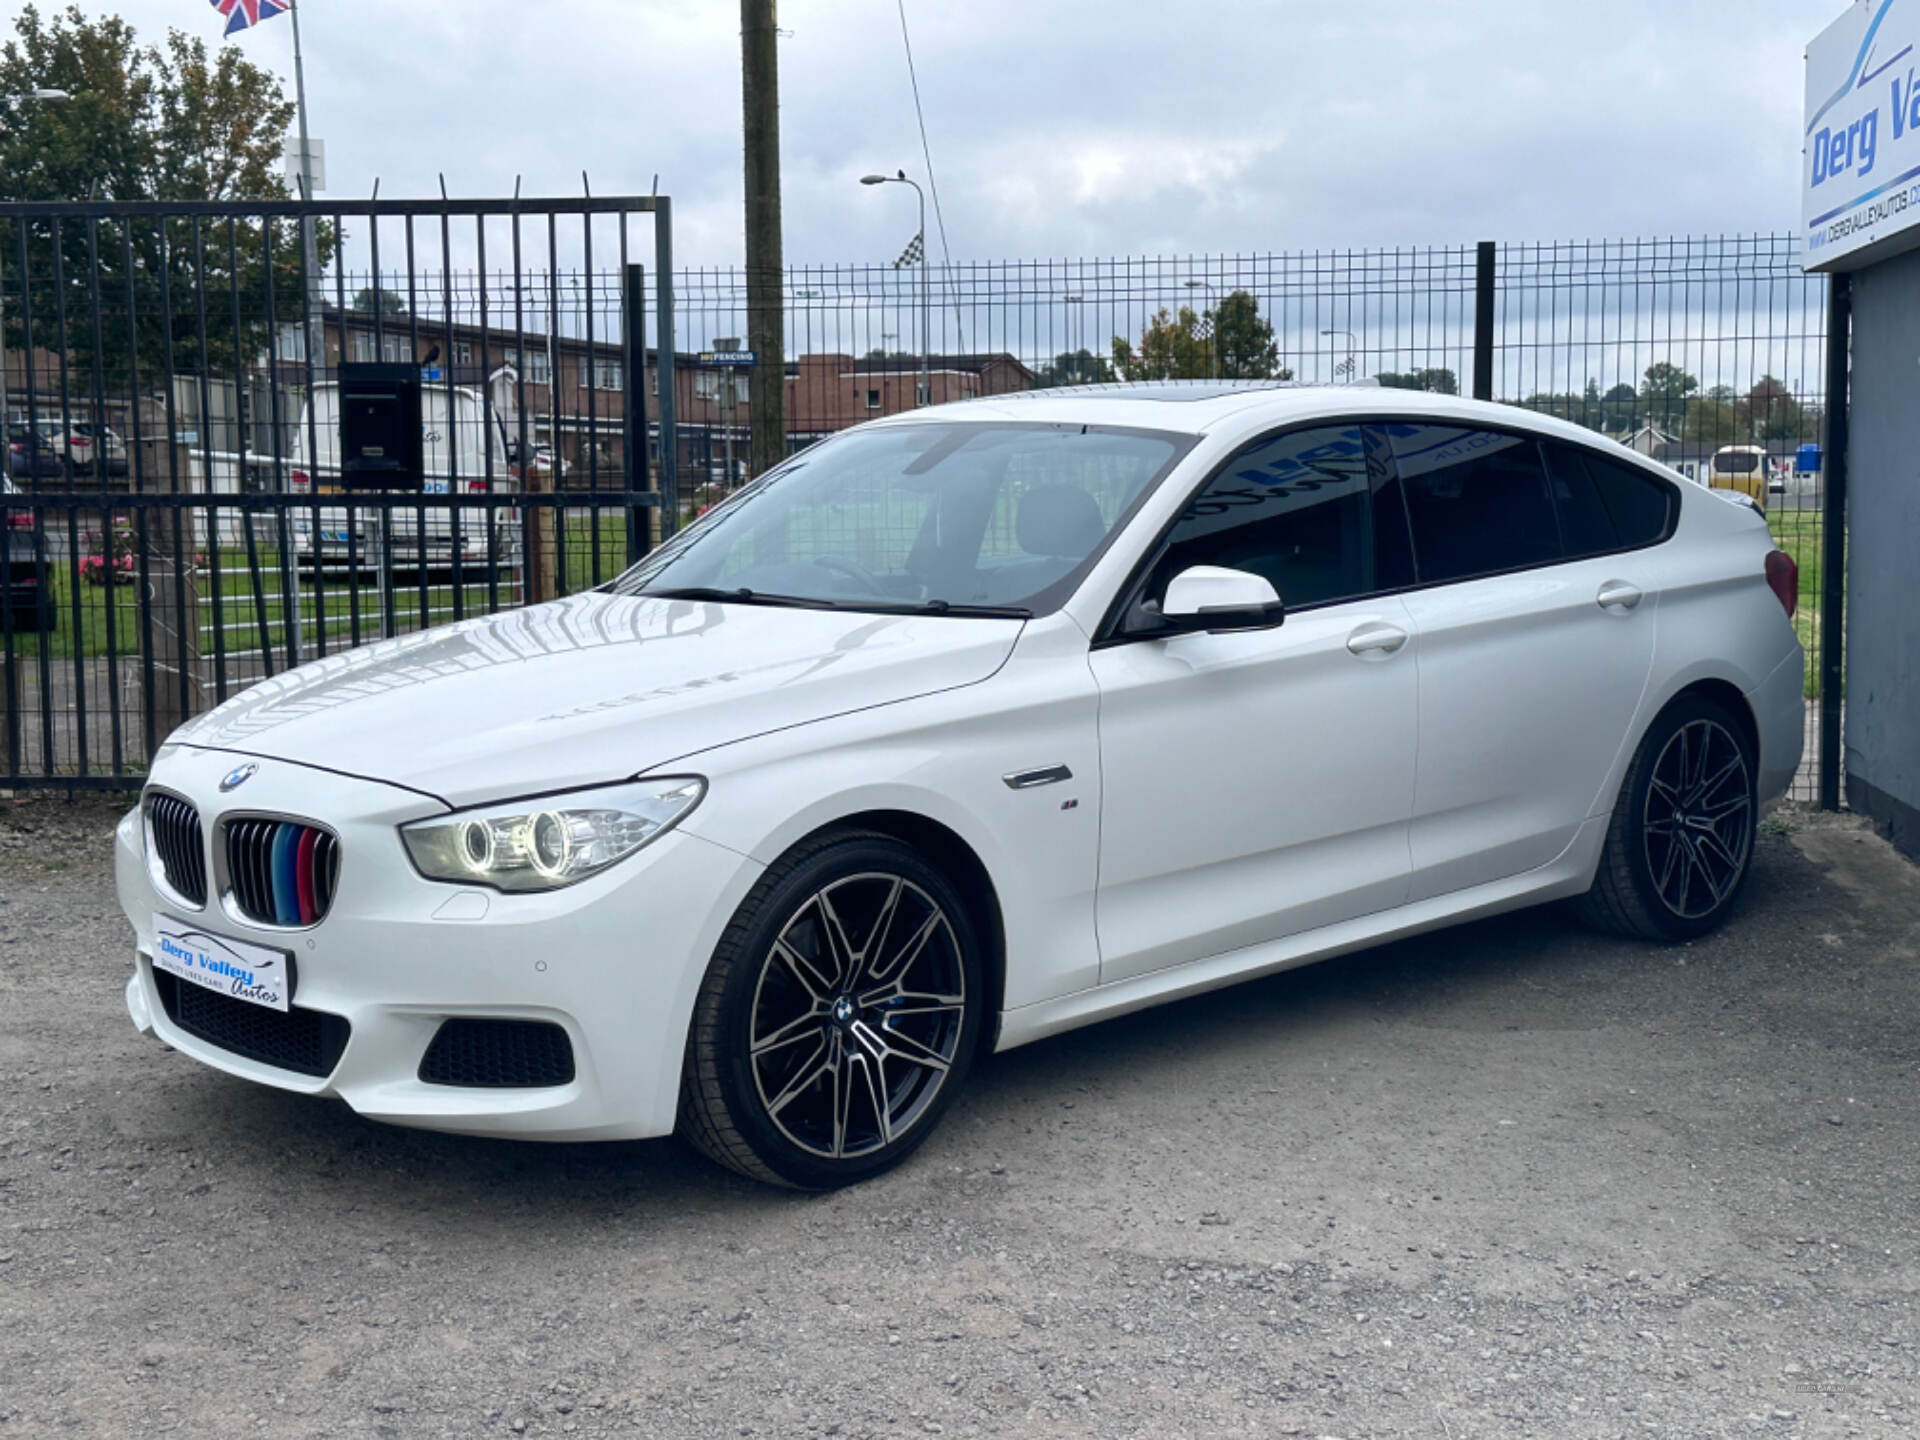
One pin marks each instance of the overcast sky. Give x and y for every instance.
(1069, 127)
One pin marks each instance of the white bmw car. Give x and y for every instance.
(958, 730)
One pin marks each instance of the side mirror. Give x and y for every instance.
(1217, 600)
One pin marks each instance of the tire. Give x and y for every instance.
(799, 1017)
(1680, 842)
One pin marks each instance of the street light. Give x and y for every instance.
(926, 317)
(1213, 337)
(1353, 344)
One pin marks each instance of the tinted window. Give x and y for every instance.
(1297, 510)
(1641, 504)
(1735, 462)
(1586, 527)
(1477, 498)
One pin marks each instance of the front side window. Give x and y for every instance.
(1300, 511)
(1477, 500)
(924, 516)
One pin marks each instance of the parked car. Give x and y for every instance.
(29, 455)
(108, 450)
(960, 729)
(1742, 469)
(26, 602)
(463, 453)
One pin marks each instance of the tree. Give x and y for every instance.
(1172, 346)
(169, 123)
(1620, 409)
(1078, 367)
(1169, 349)
(1439, 381)
(1774, 412)
(1247, 348)
(368, 299)
(1663, 392)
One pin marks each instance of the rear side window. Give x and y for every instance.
(1477, 499)
(1298, 510)
(1641, 504)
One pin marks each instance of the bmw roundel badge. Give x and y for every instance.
(237, 777)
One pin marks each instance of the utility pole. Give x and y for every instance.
(766, 315)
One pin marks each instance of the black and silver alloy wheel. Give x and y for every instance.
(1697, 823)
(838, 1017)
(857, 1015)
(1680, 841)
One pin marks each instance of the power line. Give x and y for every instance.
(926, 151)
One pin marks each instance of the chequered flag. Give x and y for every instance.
(916, 248)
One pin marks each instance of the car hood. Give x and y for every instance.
(592, 688)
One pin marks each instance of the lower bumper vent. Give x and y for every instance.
(498, 1055)
(307, 1042)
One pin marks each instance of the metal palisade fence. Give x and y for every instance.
(219, 550)
(179, 523)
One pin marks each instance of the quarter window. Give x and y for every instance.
(1585, 526)
(1477, 500)
(1298, 510)
(1641, 505)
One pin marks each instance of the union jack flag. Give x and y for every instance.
(242, 13)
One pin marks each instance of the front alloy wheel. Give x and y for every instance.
(837, 1018)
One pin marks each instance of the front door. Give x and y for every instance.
(1259, 784)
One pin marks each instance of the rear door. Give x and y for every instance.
(1536, 630)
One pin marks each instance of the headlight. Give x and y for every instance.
(553, 841)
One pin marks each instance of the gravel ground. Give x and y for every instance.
(1511, 1180)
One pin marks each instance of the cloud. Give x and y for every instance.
(1073, 127)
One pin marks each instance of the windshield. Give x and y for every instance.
(1005, 518)
(1736, 462)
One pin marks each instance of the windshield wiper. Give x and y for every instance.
(947, 607)
(739, 596)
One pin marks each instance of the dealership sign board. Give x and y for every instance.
(1860, 168)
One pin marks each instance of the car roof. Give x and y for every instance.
(1198, 407)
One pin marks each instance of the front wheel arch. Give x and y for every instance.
(950, 853)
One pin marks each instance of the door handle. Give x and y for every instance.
(1618, 595)
(1375, 638)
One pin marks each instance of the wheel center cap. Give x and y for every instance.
(843, 1011)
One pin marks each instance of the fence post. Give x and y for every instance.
(173, 672)
(1833, 538)
(1483, 320)
(667, 366)
(633, 443)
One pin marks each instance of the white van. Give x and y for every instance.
(462, 455)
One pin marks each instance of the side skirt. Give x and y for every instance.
(1566, 875)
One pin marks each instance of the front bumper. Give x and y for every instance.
(615, 961)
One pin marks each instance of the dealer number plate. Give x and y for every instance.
(254, 973)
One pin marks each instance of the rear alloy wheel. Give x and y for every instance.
(1681, 839)
(837, 1019)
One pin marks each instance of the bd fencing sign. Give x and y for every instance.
(1860, 168)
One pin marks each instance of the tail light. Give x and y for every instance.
(1783, 578)
(19, 520)
(299, 482)
(475, 487)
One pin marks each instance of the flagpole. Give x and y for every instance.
(316, 296)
